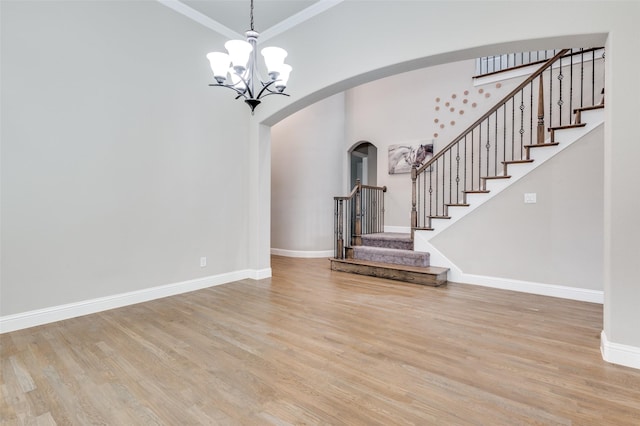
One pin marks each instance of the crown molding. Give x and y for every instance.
(297, 19)
(201, 18)
(292, 21)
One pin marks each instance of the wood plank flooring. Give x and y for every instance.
(312, 346)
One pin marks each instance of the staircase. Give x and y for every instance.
(390, 255)
(502, 146)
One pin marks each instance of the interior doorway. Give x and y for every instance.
(363, 164)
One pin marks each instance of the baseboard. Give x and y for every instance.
(260, 274)
(58, 313)
(401, 229)
(543, 289)
(302, 253)
(616, 353)
(422, 243)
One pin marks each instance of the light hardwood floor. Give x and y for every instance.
(315, 347)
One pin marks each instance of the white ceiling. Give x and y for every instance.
(231, 17)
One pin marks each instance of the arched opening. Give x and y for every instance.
(363, 164)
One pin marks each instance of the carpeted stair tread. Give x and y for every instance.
(394, 256)
(392, 240)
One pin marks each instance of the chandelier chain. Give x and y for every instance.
(251, 16)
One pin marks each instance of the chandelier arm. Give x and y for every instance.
(266, 87)
(246, 85)
(269, 92)
(240, 93)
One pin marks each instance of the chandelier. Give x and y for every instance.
(238, 69)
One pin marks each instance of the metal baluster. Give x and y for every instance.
(513, 122)
(531, 113)
(570, 85)
(457, 173)
(521, 131)
(488, 144)
(424, 201)
(450, 174)
(419, 196)
(551, 95)
(431, 190)
(581, 78)
(560, 101)
(472, 159)
(593, 77)
(504, 133)
(443, 178)
(382, 215)
(479, 153)
(495, 150)
(464, 185)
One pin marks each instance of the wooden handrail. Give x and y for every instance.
(499, 104)
(355, 188)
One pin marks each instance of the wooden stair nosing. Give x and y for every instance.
(458, 205)
(496, 177)
(506, 163)
(422, 228)
(430, 275)
(566, 126)
(439, 217)
(588, 108)
(541, 145)
(476, 191)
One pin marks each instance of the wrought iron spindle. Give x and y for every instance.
(560, 101)
(570, 86)
(488, 144)
(531, 113)
(458, 173)
(581, 78)
(593, 77)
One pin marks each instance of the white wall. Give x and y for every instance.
(120, 166)
(306, 173)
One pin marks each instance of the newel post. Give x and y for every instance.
(540, 112)
(357, 240)
(414, 211)
(339, 234)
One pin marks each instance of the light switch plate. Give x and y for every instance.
(530, 198)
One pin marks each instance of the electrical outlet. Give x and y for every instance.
(203, 262)
(530, 198)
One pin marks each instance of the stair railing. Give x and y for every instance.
(488, 65)
(570, 80)
(359, 213)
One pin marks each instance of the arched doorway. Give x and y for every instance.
(363, 164)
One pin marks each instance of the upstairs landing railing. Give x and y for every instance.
(488, 65)
(570, 80)
(359, 213)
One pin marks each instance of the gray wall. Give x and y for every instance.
(401, 109)
(306, 173)
(557, 240)
(120, 166)
(330, 57)
(418, 34)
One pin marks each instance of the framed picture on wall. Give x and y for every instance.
(402, 157)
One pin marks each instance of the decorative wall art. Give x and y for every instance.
(402, 157)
